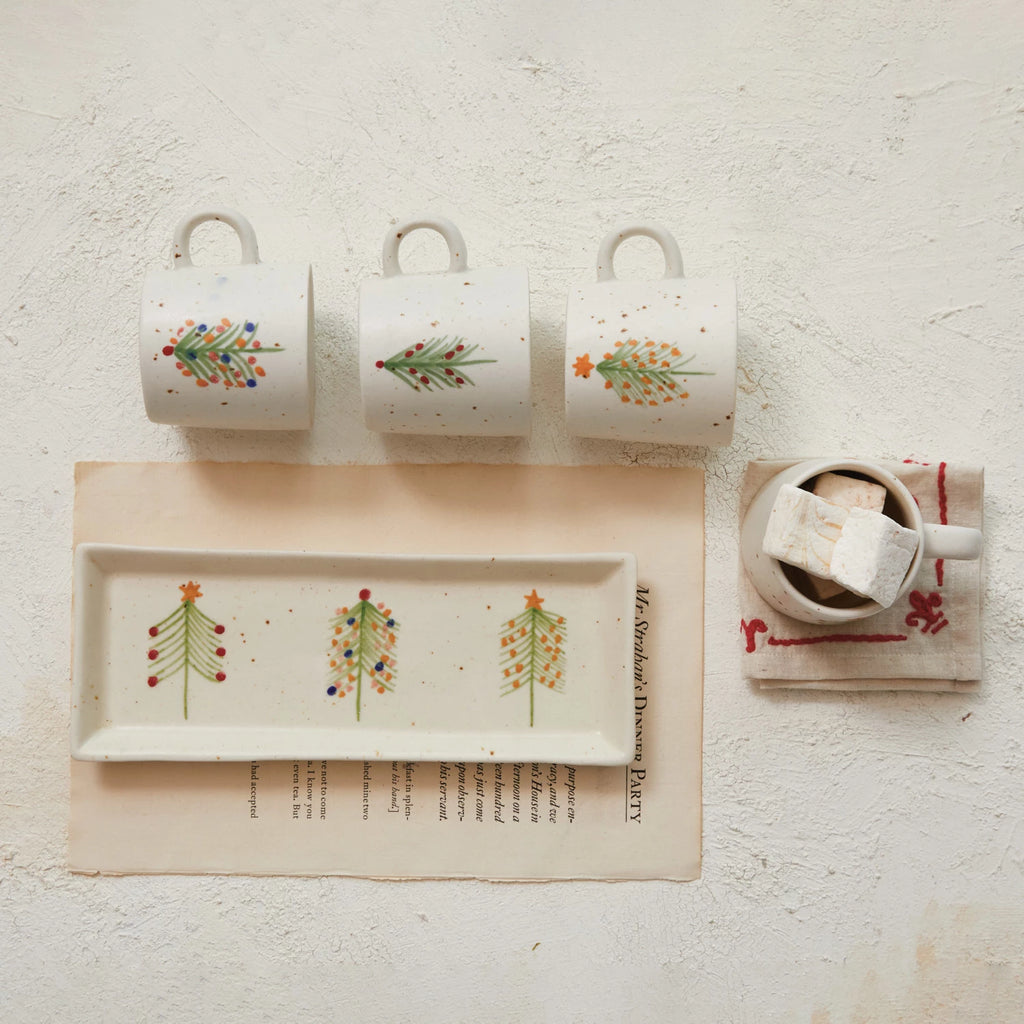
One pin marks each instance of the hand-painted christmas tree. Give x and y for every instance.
(532, 653)
(642, 372)
(436, 362)
(188, 643)
(362, 641)
(223, 354)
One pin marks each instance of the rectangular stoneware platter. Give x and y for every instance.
(184, 655)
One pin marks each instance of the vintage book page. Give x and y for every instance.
(415, 819)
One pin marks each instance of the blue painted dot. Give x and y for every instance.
(250, 327)
(225, 358)
(391, 622)
(192, 355)
(350, 621)
(348, 653)
(379, 666)
(250, 383)
(332, 690)
(201, 328)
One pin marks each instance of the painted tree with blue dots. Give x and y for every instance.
(224, 353)
(362, 656)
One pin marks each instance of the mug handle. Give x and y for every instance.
(445, 228)
(961, 543)
(182, 255)
(611, 242)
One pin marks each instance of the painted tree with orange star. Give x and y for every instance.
(532, 655)
(189, 641)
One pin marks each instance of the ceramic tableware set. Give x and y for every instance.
(447, 353)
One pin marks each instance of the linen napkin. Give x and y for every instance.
(930, 639)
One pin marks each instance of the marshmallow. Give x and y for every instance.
(872, 555)
(850, 491)
(803, 529)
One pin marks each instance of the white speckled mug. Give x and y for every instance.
(651, 361)
(227, 346)
(445, 353)
(781, 585)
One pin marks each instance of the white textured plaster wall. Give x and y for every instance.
(856, 167)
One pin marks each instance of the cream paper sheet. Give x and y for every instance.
(413, 819)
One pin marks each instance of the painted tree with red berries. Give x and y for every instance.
(186, 642)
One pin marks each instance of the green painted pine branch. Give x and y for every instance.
(434, 363)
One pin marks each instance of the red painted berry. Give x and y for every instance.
(379, 364)
(408, 355)
(152, 680)
(220, 677)
(154, 654)
(168, 350)
(424, 380)
(449, 355)
(221, 652)
(459, 380)
(419, 345)
(364, 595)
(459, 348)
(153, 630)
(448, 370)
(218, 629)
(412, 370)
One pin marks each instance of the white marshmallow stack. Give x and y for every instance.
(846, 544)
(803, 529)
(850, 491)
(872, 555)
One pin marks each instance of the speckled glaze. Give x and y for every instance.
(227, 346)
(651, 361)
(766, 573)
(445, 353)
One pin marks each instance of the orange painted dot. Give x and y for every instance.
(190, 323)
(507, 673)
(515, 684)
(240, 342)
(373, 672)
(638, 401)
(652, 402)
(664, 346)
(648, 344)
(208, 337)
(186, 373)
(560, 620)
(512, 653)
(260, 372)
(552, 684)
(344, 611)
(337, 630)
(684, 394)
(543, 679)
(334, 664)
(668, 399)
(607, 355)
(618, 344)
(626, 385)
(351, 679)
(387, 676)
(334, 643)
(558, 675)
(625, 398)
(671, 385)
(676, 352)
(607, 384)
(203, 383)
(225, 321)
(380, 689)
(341, 693)
(511, 623)
(519, 668)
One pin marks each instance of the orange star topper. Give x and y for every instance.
(532, 600)
(190, 590)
